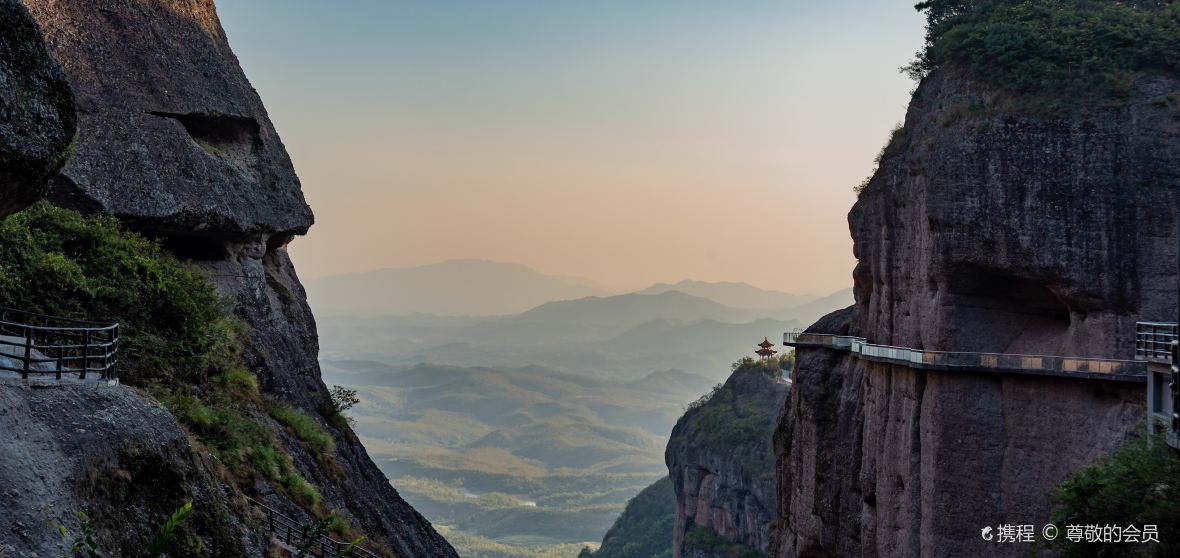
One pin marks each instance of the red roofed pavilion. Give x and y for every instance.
(765, 349)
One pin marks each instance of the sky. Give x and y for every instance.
(625, 142)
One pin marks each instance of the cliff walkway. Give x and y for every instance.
(1041, 365)
(36, 349)
(294, 537)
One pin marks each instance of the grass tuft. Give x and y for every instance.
(306, 428)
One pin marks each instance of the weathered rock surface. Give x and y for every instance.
(721, 463)
(115, 455)
(174, 141)
(172, 137)
(37, 120)
(994, 231)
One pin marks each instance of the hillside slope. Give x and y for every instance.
(527, 457)
(644, 529)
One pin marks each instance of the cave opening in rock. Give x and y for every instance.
(994, 311)
(191, 247)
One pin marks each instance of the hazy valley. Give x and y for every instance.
(527, 434)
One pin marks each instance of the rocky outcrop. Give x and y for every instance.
(172, 137)
(37, 120)
(174, 141)
(720, 461)
(994, 230)
(116, 456)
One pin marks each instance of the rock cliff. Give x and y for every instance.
(37, 119)
(994, 230)
(722, 468)
(173, 141)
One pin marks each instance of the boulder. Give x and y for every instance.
(37, 120)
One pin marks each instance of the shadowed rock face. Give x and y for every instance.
(172, 138)
(115, 455)
(1013, 233)
(37, 118)
(985, 231)
(174, 141)
(723, 483)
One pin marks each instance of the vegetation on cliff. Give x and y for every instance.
(704, 541)
(725, 418)
(1137, 485)
(644, 530)
(173, 324)
(1057, 51)
(178, 339)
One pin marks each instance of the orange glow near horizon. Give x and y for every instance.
(623, 145)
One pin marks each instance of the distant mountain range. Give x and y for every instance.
(486, 288)
(630, 310)
(450, 288)
(736, 295)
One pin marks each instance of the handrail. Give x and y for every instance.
(57, 347)
(1153, 341)
(1097, 368)
(292, 533)
(5, 311)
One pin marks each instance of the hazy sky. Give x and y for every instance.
(622, 141)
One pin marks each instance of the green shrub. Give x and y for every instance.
(340, 400)
(173, 324)
(305, 428)
(1139, 485)
(239, 381)
(178, 339)
(300, 490)
(269, 462)
(1059, 52)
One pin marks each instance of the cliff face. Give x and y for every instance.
(721, 465)
(36, 110)
(115, 454)
(993, 231)
(173, 140)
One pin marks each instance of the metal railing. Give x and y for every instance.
(1153, 341)
(968, 361)
(40, 346)
(798, 337)
(294, 535)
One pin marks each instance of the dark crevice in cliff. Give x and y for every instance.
(216, 128)
(192, 247)
(64, 193)
(235, 139)
(916, 446)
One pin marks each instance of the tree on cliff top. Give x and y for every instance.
(1064, 50)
